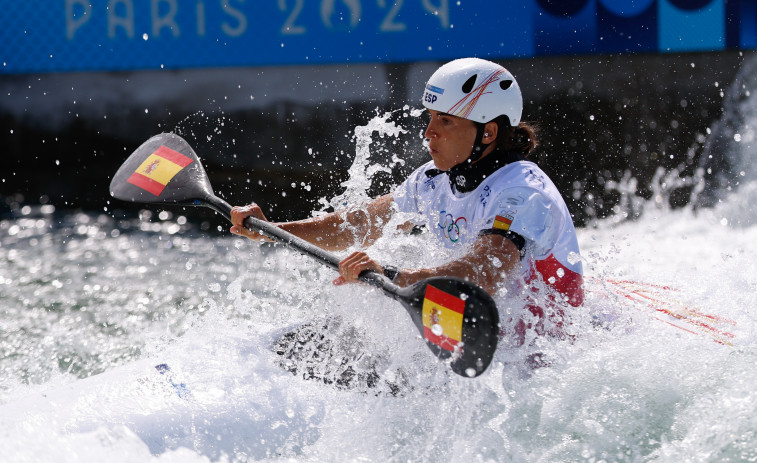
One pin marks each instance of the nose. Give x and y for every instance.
(430, 130)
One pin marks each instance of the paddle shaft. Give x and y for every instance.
(282, 236)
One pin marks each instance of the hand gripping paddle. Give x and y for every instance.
(457, 319)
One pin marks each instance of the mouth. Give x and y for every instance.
(431, 149)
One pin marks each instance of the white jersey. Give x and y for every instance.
(518, 198)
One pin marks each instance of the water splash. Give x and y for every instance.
(728, 155)
(362, 171)
(638, 390)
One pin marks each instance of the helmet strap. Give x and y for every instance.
(479, 146)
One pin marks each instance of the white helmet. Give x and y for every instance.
(474, 89)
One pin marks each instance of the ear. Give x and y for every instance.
(490, 132)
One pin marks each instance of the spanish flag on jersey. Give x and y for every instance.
(158, 169)
(502, 222)
(442, 318)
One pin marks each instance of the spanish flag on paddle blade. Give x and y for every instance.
(158, 169)
(442, 318)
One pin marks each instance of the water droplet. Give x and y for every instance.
(573, 258)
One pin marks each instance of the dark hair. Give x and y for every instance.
(521, 139)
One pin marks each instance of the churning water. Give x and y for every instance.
(89, 305)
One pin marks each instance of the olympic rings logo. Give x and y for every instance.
(452, 228)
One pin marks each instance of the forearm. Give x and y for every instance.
(340, 230)
(488, 279)
(335, 231)
(488, 264)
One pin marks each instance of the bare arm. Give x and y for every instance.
(492, 258)
(335, 231)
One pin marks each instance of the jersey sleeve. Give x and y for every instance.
(528, 214)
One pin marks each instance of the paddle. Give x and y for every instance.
(457, 319)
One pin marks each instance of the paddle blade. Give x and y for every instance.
(164, 169)
(457, 320)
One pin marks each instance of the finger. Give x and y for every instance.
(345, 263)
(351, 266)
(355, 264)
(360, 262)
(237, 215)
(241, 231)
(355, 257)
(339, 281)
(257, 212)
(242, 212)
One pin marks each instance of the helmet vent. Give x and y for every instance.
(468, 85)
(505, 84)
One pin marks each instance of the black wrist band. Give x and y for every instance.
(391, 272)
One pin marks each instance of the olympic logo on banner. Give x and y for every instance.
(452, 228)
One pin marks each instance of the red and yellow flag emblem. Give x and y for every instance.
(158, 169)
(502, 222)
(442, 318)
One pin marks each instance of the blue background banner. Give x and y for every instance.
(78, 35)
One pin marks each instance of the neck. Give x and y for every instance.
(468, 175)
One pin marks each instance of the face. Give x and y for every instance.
(450, 139)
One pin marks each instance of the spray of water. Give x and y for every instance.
(362, 171)
(103, 293)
